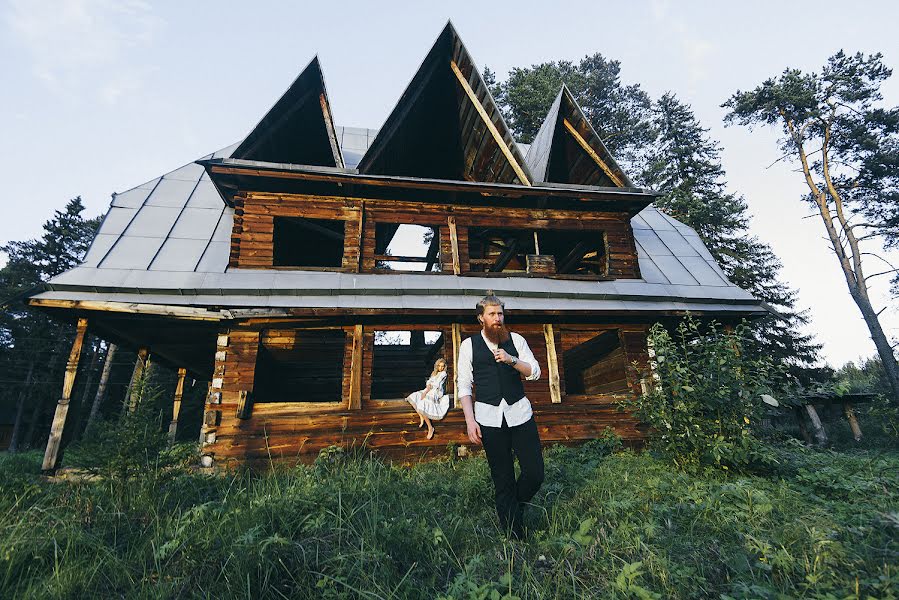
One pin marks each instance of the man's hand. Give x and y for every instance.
(474, 431)
(501, 356)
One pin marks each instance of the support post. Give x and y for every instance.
(135, 388)
(817, 426)
(454, 242)
(457, 341)
(176, 406)
(355, 399)
(552, 364)
(853, 422)
(62, 407)
(101, 387)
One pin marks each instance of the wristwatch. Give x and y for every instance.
(514, 362)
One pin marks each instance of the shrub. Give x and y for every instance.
(705, 397)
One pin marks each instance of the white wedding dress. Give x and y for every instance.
(435, 403)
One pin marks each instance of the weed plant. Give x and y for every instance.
(605, 525)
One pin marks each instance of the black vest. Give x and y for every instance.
(494, 381)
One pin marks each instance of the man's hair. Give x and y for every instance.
(489, 300)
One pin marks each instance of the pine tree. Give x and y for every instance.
(686, 165)
(29, 340)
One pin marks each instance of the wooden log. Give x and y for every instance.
(853, 421)
(354, 402)
(136, 385)
(540, 264)
(552, 364)
(176, 405)
(62, 407)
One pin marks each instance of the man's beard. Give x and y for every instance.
(496, 333)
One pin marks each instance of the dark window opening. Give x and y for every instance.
(301, 242)
(540, 252)
(402, 361)
(407, 247)
(300, 366)
(593, 362)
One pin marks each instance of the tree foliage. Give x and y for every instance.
(847, 148)
(30, 340)
(665, 147)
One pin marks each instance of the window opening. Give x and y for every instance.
(300, 366)
(302, 242)
(543, 251)
(593, 362)
(402, 361)
(407, 247)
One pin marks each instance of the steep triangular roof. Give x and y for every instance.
(446, 125)
(298, 129)
(568, 150)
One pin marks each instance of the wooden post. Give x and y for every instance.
(454, 242)
(355, 399)
(817, 427)
(457, 341)
(853, 422)
(552, 364)
(62, 407)
(135, 387)
(176, 406)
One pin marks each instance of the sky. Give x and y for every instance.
(103, 95)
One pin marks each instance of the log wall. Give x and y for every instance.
(296, 431)
(252, 236)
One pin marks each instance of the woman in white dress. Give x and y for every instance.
(431, 402)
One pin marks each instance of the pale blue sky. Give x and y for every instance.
(102, 95)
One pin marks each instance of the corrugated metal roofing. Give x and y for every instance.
(168, 241)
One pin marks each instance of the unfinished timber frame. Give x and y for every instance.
(313, 274)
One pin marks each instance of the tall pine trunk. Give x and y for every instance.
(101, 388)
(91, 371)
(20, 410)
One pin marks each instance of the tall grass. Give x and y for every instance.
(622, 525)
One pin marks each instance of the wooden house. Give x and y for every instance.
(313, 273)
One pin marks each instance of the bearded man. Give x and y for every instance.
(501, 418)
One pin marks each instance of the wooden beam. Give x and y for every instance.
(176, 405)
(360, 236)
(136, 387)
(180, 312)
(592, 153)
(463, 81)
(454, 242)
(54, 442)
(853, 422)
(552, 364)
(457, 341)
(332, 134)
(355, 399)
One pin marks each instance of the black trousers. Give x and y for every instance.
(499, 444)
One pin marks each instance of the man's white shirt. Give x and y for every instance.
(487, 414)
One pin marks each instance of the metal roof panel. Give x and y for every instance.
(179, 255)
(152, 221)
(196, 223)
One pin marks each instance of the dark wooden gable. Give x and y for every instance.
(568, 150)
(298, 129)
(446, 125)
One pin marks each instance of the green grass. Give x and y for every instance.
(823, 525)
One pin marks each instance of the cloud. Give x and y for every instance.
(696, 50)
(76, 46)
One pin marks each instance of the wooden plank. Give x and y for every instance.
(592, 153)
(176, 405)
(54, 442)
(457, 341)
(355, 399)
(552, 364)
(463, 81)
(454, 243)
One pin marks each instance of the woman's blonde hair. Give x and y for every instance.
(437, 362)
